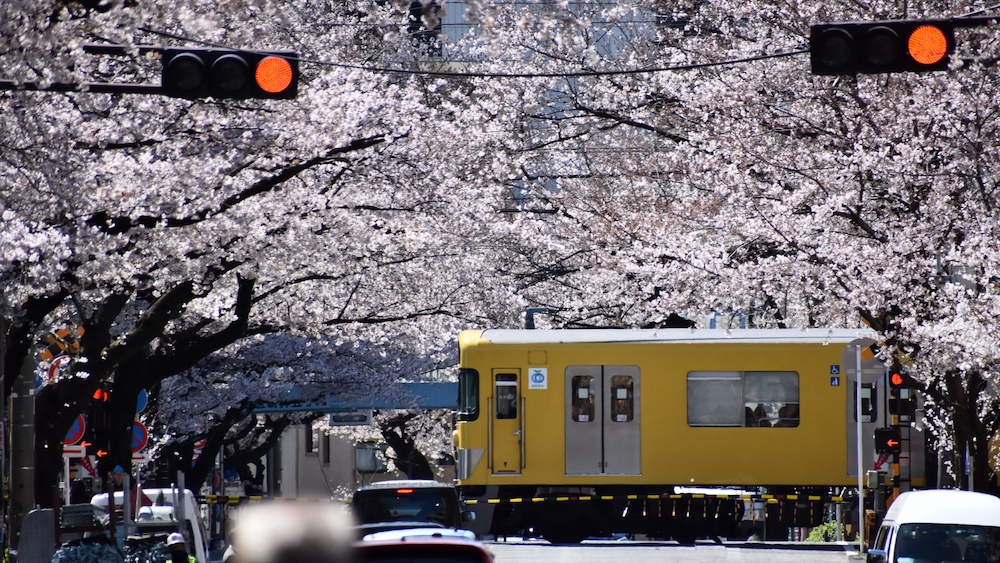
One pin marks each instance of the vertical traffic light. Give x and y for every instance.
(902, 402)
(98, 438)
(881, 47)
(221, 73)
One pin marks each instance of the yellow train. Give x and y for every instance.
(573, 433)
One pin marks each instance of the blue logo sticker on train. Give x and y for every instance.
(835, 369)
(538, 378)
(834, 382)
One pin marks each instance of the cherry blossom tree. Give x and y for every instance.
(740, 183)
(615, 163)
(172, 229)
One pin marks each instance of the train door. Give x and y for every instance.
(602, 420)
(621, 420)
(584, 436)
(506, 419)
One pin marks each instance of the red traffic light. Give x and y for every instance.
(274, 75)
(896, 379)
(101, 395)
(217, 73)
(927, 45)
(881, 47)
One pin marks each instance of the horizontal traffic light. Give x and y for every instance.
(223, 73)
(881, 47)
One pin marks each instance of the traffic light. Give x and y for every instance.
(881, 47)
(896, 380)
(887, 441)
(97, 438)
(223, 73)
(902, 402)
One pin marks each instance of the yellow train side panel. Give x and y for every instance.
(672, 451)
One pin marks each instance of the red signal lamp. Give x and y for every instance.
(927, 45)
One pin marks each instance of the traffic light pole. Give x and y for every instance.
(92, 87)
(22, 438)
(861, 463)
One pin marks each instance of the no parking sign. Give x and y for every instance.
(139, 437)
(75, 433)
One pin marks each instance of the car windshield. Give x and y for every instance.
(405, 504)
(936, 543)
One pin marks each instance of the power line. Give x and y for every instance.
(446, 74)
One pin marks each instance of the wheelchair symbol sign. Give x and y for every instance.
(538, 378)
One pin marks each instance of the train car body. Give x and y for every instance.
(629, 419)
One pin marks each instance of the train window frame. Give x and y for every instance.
(622, 407)
(468, 394)
(577, 409)
(506, 403)
(749, 399)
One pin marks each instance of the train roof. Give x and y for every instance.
(678, 335)
(945, 506)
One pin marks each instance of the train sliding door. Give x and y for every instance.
(602, 420)
(506, 419)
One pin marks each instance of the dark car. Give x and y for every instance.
(409, 501)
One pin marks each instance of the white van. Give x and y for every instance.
(936, 526)
(170, 507)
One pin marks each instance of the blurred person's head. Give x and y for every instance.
(299, 533)
(175, 543)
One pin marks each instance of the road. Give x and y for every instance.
(609, 552)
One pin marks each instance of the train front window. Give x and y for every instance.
(468, 394)
(759, 399)
(506, 395)
(583, 398)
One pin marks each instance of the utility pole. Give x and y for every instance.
(4, 474)
(22, 439)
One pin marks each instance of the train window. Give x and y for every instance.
(468, 394)
(621, 398)
(763, 399)
(715, 398)
(771, 398)
(506, 395)
(583, 398)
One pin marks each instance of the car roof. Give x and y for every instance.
(945, 506)
(372, 527)
(407, 484)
